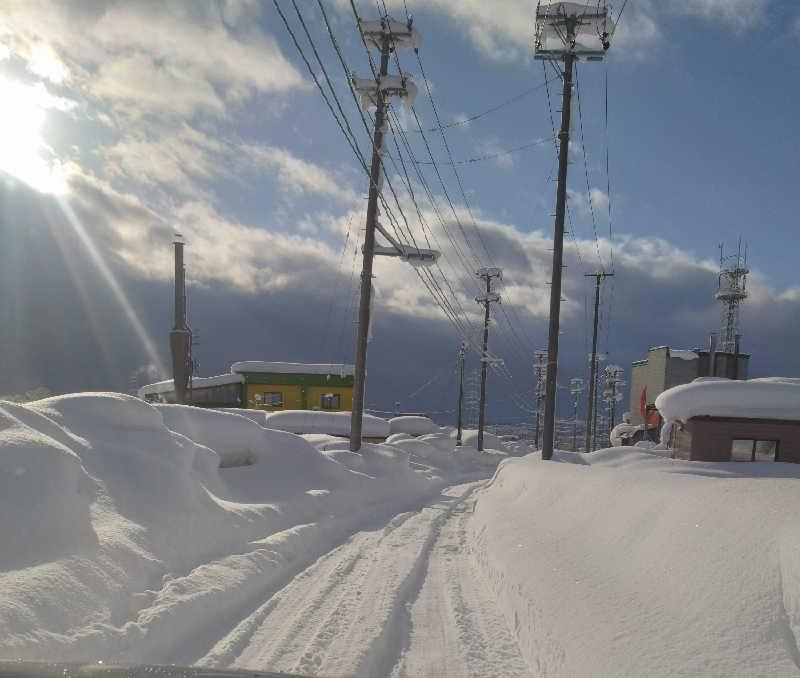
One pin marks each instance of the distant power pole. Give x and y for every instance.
(611, 394)
(590, 423)
(487, 274)
(462, 354)
(539, 370)
(575, 389)
(563, 31)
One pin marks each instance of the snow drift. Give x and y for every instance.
(627, 563)
(130, 530)
(332, 423)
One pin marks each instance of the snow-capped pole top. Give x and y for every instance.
(767, 398)
(338, 369)
(399, 86)
(401, 35)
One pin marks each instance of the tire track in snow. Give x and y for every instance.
(455, 627)
(348, 613)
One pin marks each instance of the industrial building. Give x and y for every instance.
(665, 367)
(269, 386)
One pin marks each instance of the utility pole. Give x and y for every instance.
(575, 389)
(462, 354)
(591, 423)
(384, 35)
(487, 274)
(539, 370)
(559, 26)
(611, 396)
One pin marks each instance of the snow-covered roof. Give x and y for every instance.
(768, 398)
(338, 369)
(168, 386)
(683, 354)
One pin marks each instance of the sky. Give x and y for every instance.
(125, 122)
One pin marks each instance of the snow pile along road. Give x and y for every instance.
(141, 533)
(628, 563)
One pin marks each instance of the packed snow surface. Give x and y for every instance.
(169, 534)
(768, 398)
(334, 369)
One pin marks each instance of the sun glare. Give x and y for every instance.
(23, 152)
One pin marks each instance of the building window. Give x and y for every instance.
(754, 450)
(331, 401)
(273, 399)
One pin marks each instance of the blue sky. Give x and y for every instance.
(128, 121)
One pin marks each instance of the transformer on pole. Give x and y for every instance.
(565, 31)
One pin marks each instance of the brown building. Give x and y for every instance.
(708, 438)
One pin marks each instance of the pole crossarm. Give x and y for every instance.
(566, 27)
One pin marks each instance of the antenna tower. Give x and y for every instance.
(731, 293)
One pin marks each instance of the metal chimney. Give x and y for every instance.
(712, 355)
(180, 338)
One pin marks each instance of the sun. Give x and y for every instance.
(23, 151)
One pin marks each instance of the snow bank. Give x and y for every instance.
(130, 532)
(770, 398)
(45, 492)
(415, 426)
(621, 432)
(469, 438)
(627, 563)
(332, 423)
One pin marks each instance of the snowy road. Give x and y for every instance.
(403, 600)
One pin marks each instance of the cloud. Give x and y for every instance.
(299, 175)
(736, 14)
(150, 57)
(585, 203)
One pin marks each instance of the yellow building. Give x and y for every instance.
(256, 385)
(295, 386)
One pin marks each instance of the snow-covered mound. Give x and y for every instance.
(130, 530)
(45, 492)
(769, 398)
(332, 423)
(413, 425)
(627, 563)
(469, 438)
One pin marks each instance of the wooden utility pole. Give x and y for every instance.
(558, 29)
(487, 299)
(539, 367)
(461, 360)
(369, 254)
(591, 418)
(386, 35)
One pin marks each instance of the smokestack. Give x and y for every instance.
(736, 344)
(180, 338)
(712, 355)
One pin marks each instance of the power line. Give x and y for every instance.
(478, 116)
(586, 170)
(492, 156)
